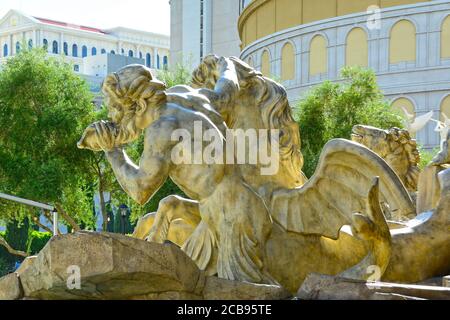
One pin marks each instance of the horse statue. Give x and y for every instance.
(396, 147)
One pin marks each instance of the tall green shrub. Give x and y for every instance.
(332, 109)
(37, 241)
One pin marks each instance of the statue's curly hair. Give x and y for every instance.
(133, 88)
(276, 112)
(128, 92)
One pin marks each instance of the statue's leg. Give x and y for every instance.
(374, 230)
(170, 209)
(144, 225)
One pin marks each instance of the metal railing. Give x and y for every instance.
(35, 204)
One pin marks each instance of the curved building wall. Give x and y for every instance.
(263, 17)
(408, 48)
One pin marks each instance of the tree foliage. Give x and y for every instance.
(44, 108)
(332, 109)
(37, 241)
(178, 75)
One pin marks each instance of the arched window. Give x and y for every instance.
(165, 62)
(445, 38)
(318, 56)
(405, 108)
(148, 60)
(357, 49)
(123, 52)
(17, 47)
(113, 52)
(45, 42)
(75, 50)
(445, 109)
(140, 55)
(66, 48)
(84, 51)
(265, 63)
(157, 62)
(55, 47)
(287, 62)
(30, 44)
(130, 53)
(5, 50)
(402, 43)
(94, 51)
(103, 51)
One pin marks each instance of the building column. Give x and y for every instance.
(332, 71)
(11, 47)
(422, 48)
(119, 44)
(384, 54)
(35, 38)
(155, 58)
(434, 49)
(373, 59)
(340, 57)
(61, 44)
(41, 38)
(275, 64)
(298, 60)
(38, 38)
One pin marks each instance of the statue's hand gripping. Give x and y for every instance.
(99, 136)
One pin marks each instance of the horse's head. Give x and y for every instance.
(396, 147)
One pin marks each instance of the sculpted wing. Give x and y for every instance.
(337, 190)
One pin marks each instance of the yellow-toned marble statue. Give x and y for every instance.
(241, 224)
(396, 147)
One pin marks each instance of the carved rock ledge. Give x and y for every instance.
(118, 267)
(323, 287)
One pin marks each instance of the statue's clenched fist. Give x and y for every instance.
(99, 136)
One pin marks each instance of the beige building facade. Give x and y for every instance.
(93, 52)
(405, 42)
(201, 27)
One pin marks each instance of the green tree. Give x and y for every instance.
(179, 74)
(332, 109)
(44, 108)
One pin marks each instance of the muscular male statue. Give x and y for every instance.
(230, 237)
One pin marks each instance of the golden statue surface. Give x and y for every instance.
(231, 144)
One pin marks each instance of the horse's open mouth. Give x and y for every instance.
(356, 137)
(357, 134)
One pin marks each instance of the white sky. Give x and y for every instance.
(148, 15)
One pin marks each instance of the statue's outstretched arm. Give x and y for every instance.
(141, 182)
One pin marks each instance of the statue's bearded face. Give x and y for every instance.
(129, 94)
(123, 114)
(115, 110)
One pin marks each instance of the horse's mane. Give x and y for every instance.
(276, 112)
(400, 140)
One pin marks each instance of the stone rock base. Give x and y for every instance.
(322, 287)
(99, 266)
